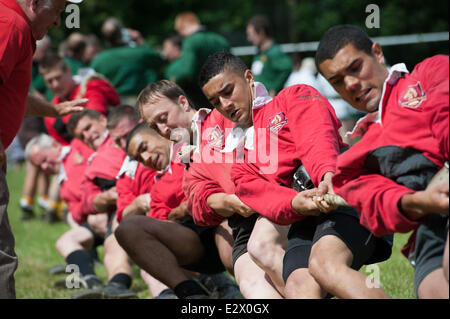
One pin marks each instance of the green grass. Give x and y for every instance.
(35, 247)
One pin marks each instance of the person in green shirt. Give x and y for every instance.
(198, 44)
(129, 64)
(270, 66)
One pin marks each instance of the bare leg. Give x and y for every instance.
(224, 243)
(330, 263)
(154, 286)
(434, 286)
(301, 285)
(445, 261)
(160, 247)
(266, 247)
(77, 238)
(115, 258)
(253, 281)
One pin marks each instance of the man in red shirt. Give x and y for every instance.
(405, 141)
(70, 162)
(58, 78)
(156, 236)
(208, 186)
(22, 23)
(99, 196)
(297, 128)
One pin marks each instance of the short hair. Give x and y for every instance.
(186, 17)
(339, 36)
(42, 141)
(156, 90)
(76, 117)
(175, 39)
(261, 24)
(51, 62)
(112, 31)
(219, 62)
(119, 112)
(140, 128)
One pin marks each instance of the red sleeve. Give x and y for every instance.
(269, 199)
(89, 191)
(314, 126)
(73, 202)
(12, 42)
(124, 188)
(101, 95)
(198, 185)
(167, 193)
(434, 75)
(376, 199)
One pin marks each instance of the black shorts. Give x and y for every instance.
(210, 262)
(109, 230)
(241, 230)
(342, 223)
(429, 247)
(98, 240)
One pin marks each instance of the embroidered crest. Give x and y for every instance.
(77, 158)
(412, 97)
(216, 138)
(277, 122)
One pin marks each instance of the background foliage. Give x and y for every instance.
(293, 20)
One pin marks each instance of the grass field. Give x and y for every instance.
(35, 247)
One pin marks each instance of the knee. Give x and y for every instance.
(262, 252)
(128, 230)
(321, 269)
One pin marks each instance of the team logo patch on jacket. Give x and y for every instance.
(77, 158)
(413, 96)
(216, 138)
(277, 122)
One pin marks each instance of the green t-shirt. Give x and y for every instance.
(195, 50)
(272, 68)
(74, 65)
(129, 69)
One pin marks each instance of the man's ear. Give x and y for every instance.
(184, 103)
(248, 75)
(377, 51)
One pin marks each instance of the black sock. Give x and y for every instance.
(122, 279)
(83, 259)
(188, 288)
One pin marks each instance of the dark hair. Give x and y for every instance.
(52, 61)
(261, 24)
(76, 117)
(339, 36)
(175, 39)
(141, 127)
(117, 113)
(219, 62)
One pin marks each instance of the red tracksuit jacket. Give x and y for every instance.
(205, 177)
(100, 94)
(301, 127)
(103, 167)
(73, 166)
(167, 192)
(403, 143)
(133, 180)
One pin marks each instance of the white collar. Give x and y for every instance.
(395, 72)
(238, 133)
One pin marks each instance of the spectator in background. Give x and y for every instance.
(72, 50)
(270, 66)
(197, 45)
(128, 63)
(58, 77)
(303, 72)
(92, 49)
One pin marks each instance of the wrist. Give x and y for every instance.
(410, 206)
